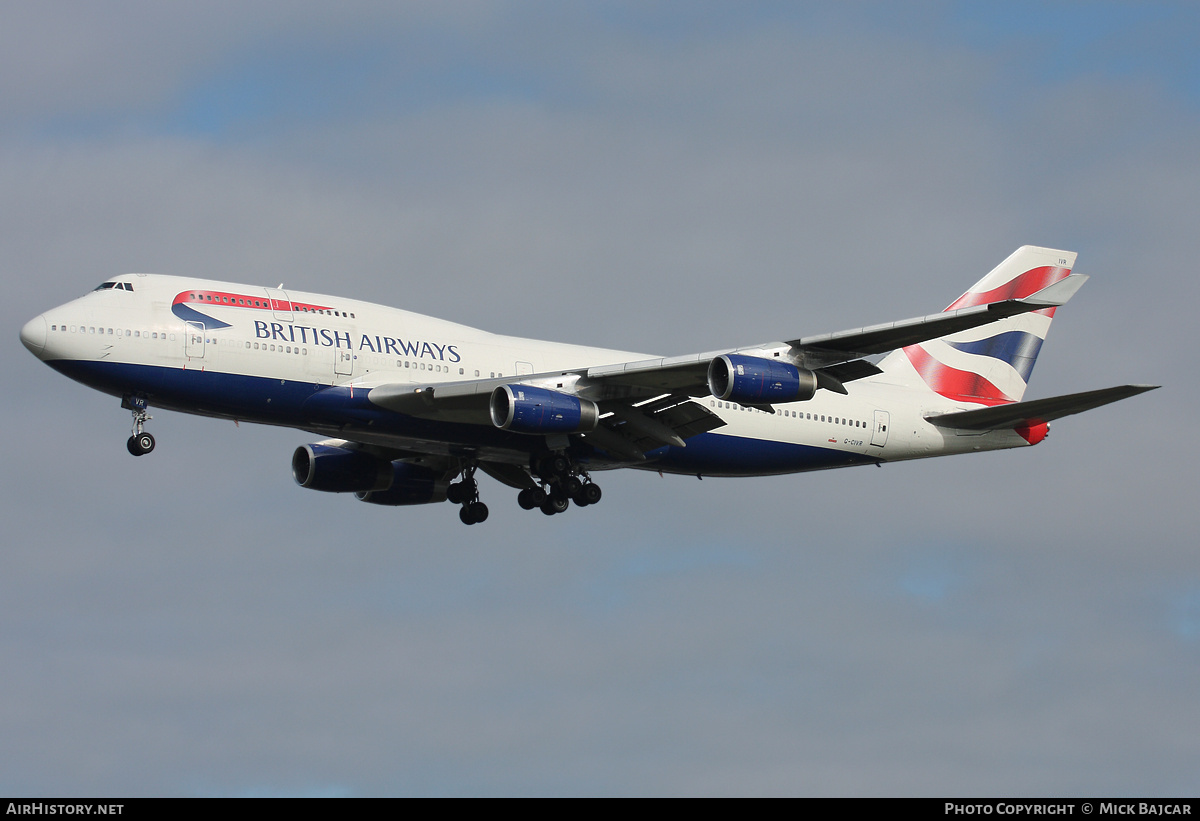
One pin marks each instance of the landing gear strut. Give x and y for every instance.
(141, 442)
(466, 493)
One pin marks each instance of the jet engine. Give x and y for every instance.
(754, 380)
(526, 409)
(370, 478)
(339, 470)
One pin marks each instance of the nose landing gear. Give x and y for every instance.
(141, 442)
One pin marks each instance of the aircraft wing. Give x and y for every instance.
(875, 339)
(628, 428)
(1035, 411)
(465, 402)
(834, 358)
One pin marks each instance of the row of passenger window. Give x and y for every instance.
(279, 305)
(436, 367)
(425, 366)
(813, 417)
(92, 329)
(296, 349)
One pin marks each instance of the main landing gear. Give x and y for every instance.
(561, 485)
(466, 493)
(141, 442)
(561, 480)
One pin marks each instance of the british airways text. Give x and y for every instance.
(341, 339)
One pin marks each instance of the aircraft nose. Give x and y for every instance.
(33, 335)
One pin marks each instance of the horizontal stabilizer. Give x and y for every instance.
(1035, 411)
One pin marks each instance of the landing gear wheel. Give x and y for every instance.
(473, 513)
(551, 466)
(454, 494)
(586, 495)
(531, 497)
(552, 506)
(591, 493)
(479, 511)
(140, 444)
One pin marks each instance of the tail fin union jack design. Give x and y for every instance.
(991, 365)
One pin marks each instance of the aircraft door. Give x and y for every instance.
(193, 340)
(281, 304)
(343, 362)
(879, 433)
(524, 368)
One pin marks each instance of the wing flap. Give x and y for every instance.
(629, 431)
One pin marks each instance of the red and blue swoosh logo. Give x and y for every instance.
(1018, 348)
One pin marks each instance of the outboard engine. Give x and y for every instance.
(411, 485)
(339, 470)
(371, 478)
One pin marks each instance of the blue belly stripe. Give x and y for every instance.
(313, 405)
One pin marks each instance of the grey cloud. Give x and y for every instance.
(194, 623)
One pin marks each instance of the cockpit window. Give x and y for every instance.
(104, 286)
(120, 286)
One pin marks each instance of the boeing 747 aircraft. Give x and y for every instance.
(414, 406)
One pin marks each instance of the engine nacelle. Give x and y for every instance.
(339, 470)
(526, 409)
(411, 485)
(754, 380)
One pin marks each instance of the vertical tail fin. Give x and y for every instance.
(991, 364)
